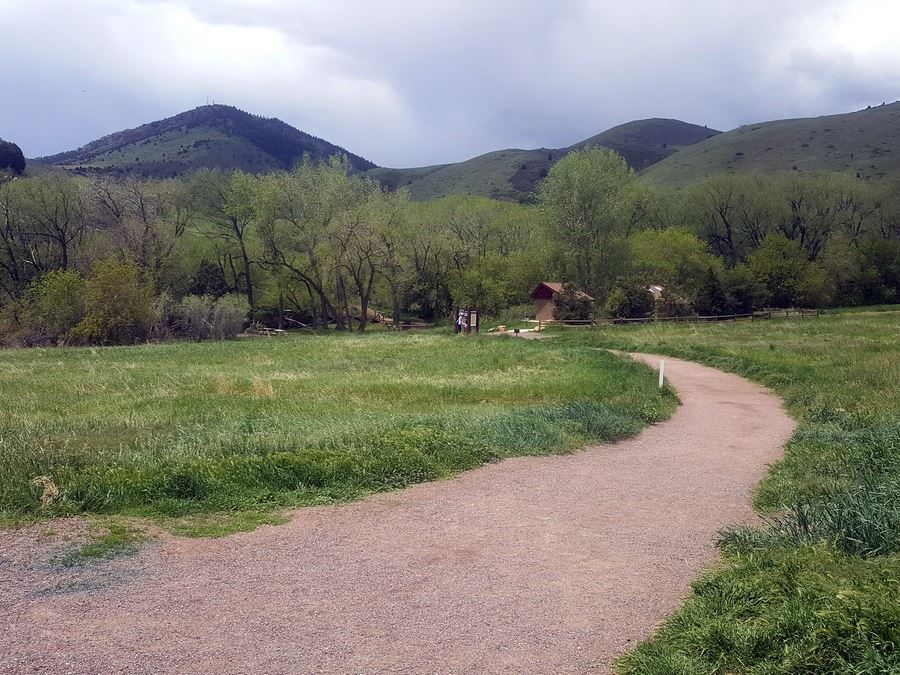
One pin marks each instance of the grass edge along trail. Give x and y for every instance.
(212, 438)
(814, 587)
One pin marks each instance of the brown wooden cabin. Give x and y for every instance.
(544, 297)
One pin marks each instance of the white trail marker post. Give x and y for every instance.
(662, 372)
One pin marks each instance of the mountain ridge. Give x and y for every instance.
(664, 151)
(225, 137)
(865, 143)
(514, 173)
(211, 136)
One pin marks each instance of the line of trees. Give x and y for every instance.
(321, 245)
(729, 244)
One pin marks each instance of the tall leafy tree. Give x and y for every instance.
(226, 201)
(588, 201)
(295, 211)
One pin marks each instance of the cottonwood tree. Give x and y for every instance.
(145, 218)
(363, 232)
(14, 244)
(227, 202)
(421, 262)
(334, 233)
(587, 199)
(53, 215)
(729, 216)
(780, 265)
(674, 258)
(295, 210)
(42, 224)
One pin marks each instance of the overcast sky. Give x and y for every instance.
(413, 82)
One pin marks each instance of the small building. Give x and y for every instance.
(544, 297)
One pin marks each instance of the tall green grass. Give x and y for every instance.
(815, 588)
(185, 428)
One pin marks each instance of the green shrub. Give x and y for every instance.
(53, 305)
(572, 305)
(629, 300)
(118, 303)
(228, 316)
(712, 300)
(790, 280)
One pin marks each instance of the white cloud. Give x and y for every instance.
(413, 83)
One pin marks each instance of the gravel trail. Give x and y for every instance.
(538, 565)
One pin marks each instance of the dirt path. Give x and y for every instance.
(539, 565)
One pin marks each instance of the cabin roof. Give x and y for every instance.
(547, 289)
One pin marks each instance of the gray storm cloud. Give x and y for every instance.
(430, 82)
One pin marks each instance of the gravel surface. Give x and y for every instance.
(538, 565)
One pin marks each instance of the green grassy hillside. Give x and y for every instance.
(503, 174)
(514, 174)
(645, 142)
(213, 136)
(866, 143)
(394, 179)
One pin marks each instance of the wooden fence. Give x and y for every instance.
(761, 315)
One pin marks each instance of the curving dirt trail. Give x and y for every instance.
(538, 565)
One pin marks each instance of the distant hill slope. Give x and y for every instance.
(502, 174)
(212, 136)
(866, 143)
(514, 174)
(12, 161)
(645, 142)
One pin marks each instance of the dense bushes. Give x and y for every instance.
(203, 317)
(118, 305)
(788, 278)
(629, 300)
(53, 306)
(572, 305)
(115, 304)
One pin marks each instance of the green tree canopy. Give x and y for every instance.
(674, 258)
(781, 267)
(588, 200)
(118, 305)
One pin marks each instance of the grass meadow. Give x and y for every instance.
(815, 588)
(246, 427)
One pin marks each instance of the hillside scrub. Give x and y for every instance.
(812, 588)
(180, 428)
(861, 145)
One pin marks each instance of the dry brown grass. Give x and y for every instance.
(262, 389)
(50, 493)
(224, 386)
